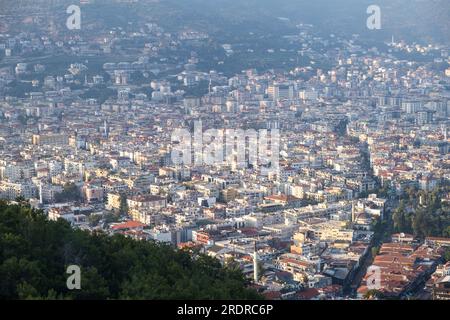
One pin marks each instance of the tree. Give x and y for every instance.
(427, 217)
(422, 223)
(446, 232)
(25, 291)
(401, 220)
(110, 218)
(94, 219)
(447, 254)
(123, 210)
(100, 93)
(373, 294)
(261, 270)
(232, 264)
(35, 253)
(70, 193)
(375, 251)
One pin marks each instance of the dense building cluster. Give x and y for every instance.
(94, 145)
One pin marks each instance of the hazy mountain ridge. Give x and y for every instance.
(414, 20)
(419, 20)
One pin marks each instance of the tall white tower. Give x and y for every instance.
(41, 198)
(255, 264)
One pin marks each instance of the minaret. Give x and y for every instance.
(106, 129)
(41, 198)
(255, 264)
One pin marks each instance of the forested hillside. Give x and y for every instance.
(35, 253)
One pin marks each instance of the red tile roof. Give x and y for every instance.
(308, 294)
(128, 225)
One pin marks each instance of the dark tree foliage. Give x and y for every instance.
(447, 254)
(35, 254)
(69, 193)
(423, 213)
(123, 205)
(101, 93)
(373, 294)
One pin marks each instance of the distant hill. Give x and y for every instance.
(413, 20)
(35, 253)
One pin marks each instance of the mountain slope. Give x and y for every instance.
(35, 253)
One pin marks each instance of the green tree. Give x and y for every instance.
(123, 205)
(70, 193)
(422, 223)
(446, 232)
(402, 222)
(447, 254)
(25, 291)
(94, 219)
(373, 294)
(375, 251)
(35, 252)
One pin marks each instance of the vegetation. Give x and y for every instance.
(423, 214)
(35, 254)
(70, 193)
(19, 89)
(94, 219)
(375, 251)
(447, 254)
(101, 93)
(111, 217)
(123, 205)
(373, 294)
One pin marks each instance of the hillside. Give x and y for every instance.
(35, 252)
(412, 20)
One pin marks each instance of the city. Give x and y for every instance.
(315, 164)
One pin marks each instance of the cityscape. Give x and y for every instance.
(164, 149)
